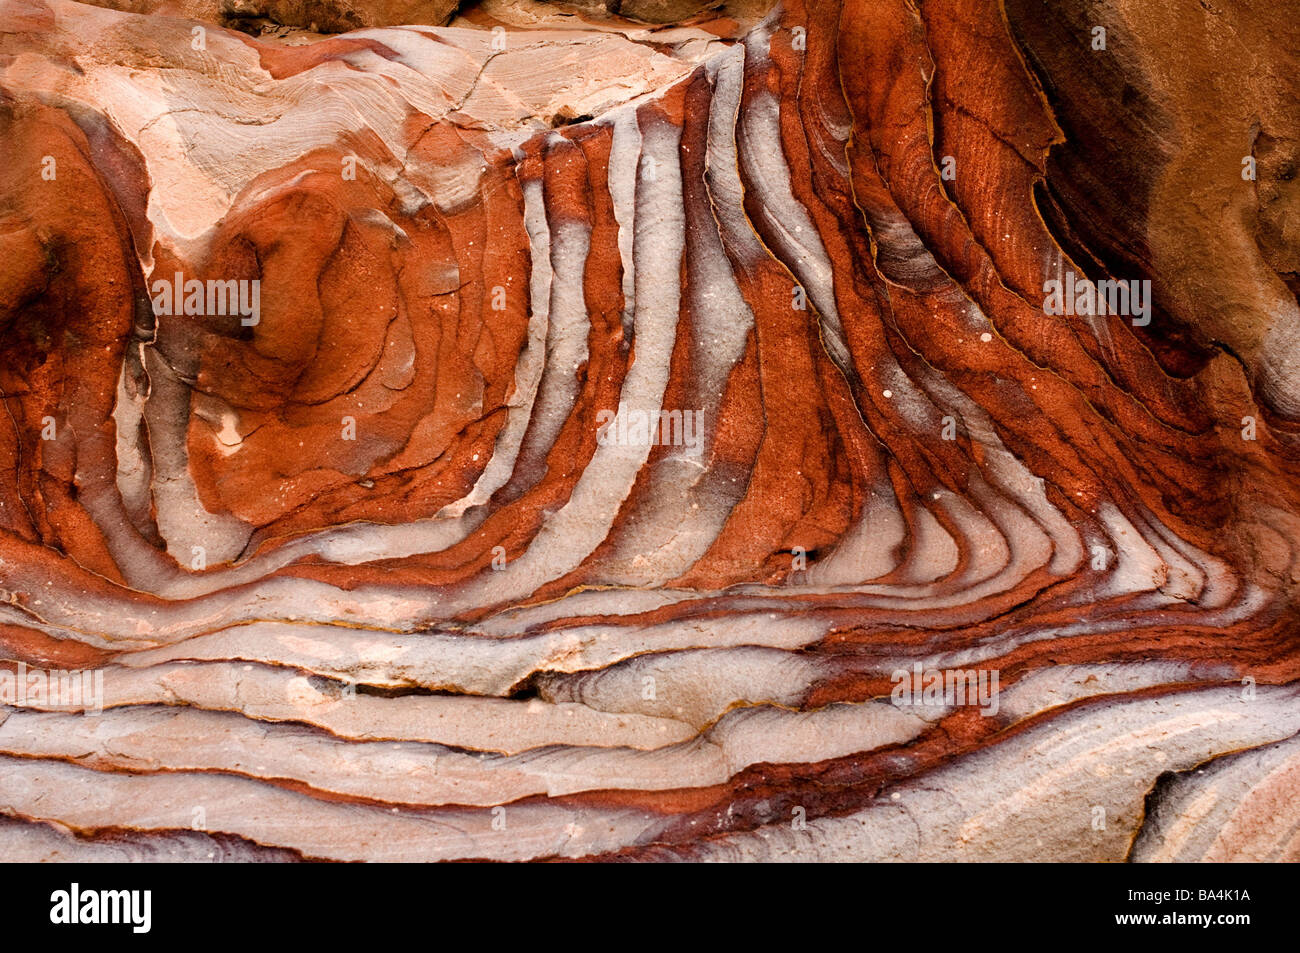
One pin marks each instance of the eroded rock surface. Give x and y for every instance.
(552, 436)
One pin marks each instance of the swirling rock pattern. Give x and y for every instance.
(375, 556)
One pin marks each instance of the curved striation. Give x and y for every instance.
(531, 443)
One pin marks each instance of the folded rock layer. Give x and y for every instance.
(868, 432)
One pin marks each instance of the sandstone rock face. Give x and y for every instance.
(340, 16)
(325, 16)
(862, 430)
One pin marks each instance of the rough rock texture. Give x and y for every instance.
(340, 16)
(359, 546)
(325, 16)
